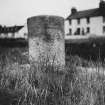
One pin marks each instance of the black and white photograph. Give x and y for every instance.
(52, 52)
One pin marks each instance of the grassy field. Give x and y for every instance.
(44, 84)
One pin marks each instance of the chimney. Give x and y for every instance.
(73, 10)
(102, 7)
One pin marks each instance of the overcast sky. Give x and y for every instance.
(16, 12)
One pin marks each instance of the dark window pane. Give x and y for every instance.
(83, 32)
(88, 30)
(103, 29)
(78, 31)
(78, 20)
(70, 31)
(88, 20)
(70, 22)
(103, 19)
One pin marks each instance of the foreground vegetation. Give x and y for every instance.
(45, 84)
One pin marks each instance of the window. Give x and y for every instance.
(88, 20)
(70, 31)
(103, 29)
(88, 30)
(78, 31)
(83, 32)
(25, 34)
(70, 22)
(78, 20)
(103, 19)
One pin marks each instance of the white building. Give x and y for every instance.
(87, 22)
(14, 31)
(22, 33)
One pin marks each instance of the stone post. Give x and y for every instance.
(46, 39)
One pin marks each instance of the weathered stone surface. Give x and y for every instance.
(46, 39)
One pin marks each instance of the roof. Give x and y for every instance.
(86, 13)
(11, 29)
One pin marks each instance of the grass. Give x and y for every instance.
(46, 85)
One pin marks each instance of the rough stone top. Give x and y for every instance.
(46, 16)
(46, 21)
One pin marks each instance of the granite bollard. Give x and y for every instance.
(46, 39)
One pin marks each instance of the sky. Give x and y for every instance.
(16, 12)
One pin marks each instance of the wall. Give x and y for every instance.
(96, 25)
(22, 33)
(67, 26)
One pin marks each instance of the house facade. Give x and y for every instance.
(87, 22)
(13, 31)
(23, 32)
